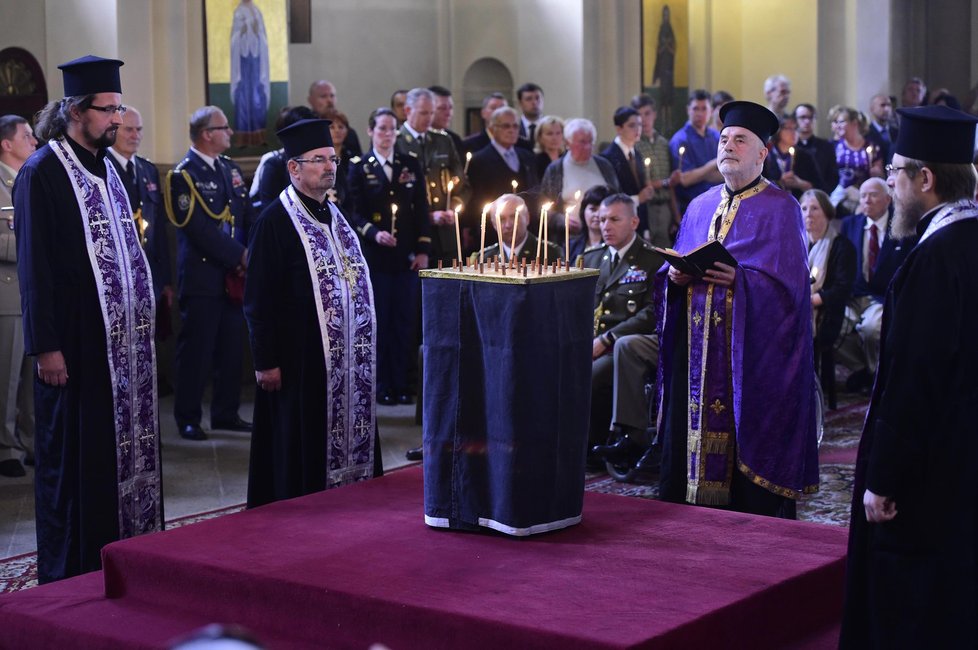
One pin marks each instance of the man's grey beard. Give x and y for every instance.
(906, 216)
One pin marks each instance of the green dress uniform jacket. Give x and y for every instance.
(623, 295)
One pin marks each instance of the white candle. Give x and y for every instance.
(458, 239)
(482, 245)
(393, 219)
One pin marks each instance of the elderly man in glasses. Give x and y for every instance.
(310, 310)
(207, 200)
(89, 318)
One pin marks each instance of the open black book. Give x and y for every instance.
(697, 261)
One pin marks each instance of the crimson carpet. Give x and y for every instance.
(356, 565)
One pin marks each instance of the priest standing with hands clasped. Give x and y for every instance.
(736, 378)
(310, 312)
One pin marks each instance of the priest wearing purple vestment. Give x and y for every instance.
(89, 319)
(310, 311)
(736, 389)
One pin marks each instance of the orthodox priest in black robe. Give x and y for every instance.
(310, 313)
(89, 319)
(912, 570)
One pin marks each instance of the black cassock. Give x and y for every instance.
(75, 484)
(288, 442)
(912, 582)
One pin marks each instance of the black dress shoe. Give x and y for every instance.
(237, 424)
(192, 432)
(386, 399)
(12, 468)
(405, 398)
(620, 450)
(414, 454)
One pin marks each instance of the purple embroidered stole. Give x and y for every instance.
(712, 430)
(344, 305)
(125, 290)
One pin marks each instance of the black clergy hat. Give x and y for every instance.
(90, 75)
(305, 135)
(936, 134)
(623, 114)
(757, 119)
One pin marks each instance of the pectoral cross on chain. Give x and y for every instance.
(349, 273)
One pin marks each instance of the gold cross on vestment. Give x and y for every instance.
(697, 318)
(717, 319)
(717, 407)
(117, 331)
(693, 406)
(350, 275)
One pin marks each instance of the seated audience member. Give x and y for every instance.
(395, 251)
(822, 151)
(513, 214)
(698, 162)
(789, 166)
(623, 301)
(494, 168)
(832, 260)
(590, 236)
(575, 171)
(477, 141)
(662, 211)
(878, 256)
(549, 138)
(854, 156)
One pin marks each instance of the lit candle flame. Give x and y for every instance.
(814, 272)
(514, 184)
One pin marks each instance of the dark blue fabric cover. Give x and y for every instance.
(506, 400)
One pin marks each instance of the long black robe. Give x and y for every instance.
(75, 483)
(288, 442)
(912, 582)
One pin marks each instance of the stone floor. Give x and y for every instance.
(197, 476)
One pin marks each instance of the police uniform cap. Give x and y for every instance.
(305, 135)
(91, 75)
(936, 134)
(757, 119)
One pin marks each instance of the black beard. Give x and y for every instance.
(906, 216)
(107, 139)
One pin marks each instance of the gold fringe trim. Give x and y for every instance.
(780, 490)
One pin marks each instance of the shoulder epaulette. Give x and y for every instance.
(183, 163)
(596, 247)
(356, 159)
(144, 159)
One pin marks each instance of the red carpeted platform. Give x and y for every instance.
(357, 565)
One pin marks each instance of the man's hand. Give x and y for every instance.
(598, 349)
(51, 368)
(878, 509)
(647, 193)
(384, 238)
(269, 380)
(419, 262)
(722, 274)
(678, 277)
(443, 218)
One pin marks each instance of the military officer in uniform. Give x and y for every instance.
(395, 249)
(441, 164)
(207, 200)
(17, 143)
(622, 302)
(509, 207)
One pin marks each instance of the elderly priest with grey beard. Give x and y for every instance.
(310, 313)
(912, 569)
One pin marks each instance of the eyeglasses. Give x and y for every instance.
(320, 160)
(226, 127)
(891, 170)
(121, 110)
(507, 126)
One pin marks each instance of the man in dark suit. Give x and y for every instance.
(207, 200)
(142, 181)
(495, 167)
(878, 256)
(622, 304)
(882, 133)
(530, 98)
(629, 167)
(477, 141)
(821, 150)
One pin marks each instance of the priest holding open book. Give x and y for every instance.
(736, 393)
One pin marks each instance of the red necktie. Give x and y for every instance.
(874, 250)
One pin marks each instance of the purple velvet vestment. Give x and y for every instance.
(751, 398)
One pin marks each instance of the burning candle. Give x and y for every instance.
(515, 185)
(543, 217)
(869, 154)
(512, 244)
(482, 244)
(448, 195)
(499, 229)
(648, 171)
(546, 237)
(393, 220)
(458, 238)
(682, 150)
(468, 159)
(791, 164)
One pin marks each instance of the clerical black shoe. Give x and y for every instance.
(237, 424)
(620, 450)
(192, 432)
(414, 454)
(386, 399)
(405, 398)
(12, 468)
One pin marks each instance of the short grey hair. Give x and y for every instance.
(416, 94)
(200, 120)
(774, 81)
(579, 124)
(500, 112)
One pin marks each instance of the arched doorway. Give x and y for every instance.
(23, 90)
(484, 76)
